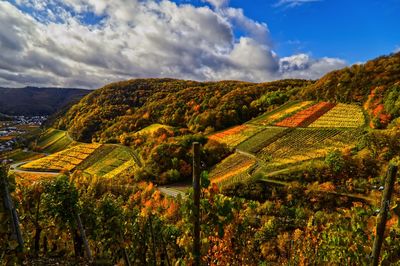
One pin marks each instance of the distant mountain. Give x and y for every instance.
(4, 117)
(37, 101)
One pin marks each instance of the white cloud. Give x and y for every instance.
(303, 66)
(294, 3)
(397, 49)
(55, 46)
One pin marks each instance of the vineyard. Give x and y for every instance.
(303, 144)
(66, 160)
(235, 135)
(113, 163)
(341, 116)
(306, 117)
(279, 113)
(232, 169)
(123, 168)
(54, 141)
(261, 139)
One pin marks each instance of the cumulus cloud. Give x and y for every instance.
(93, 42)
(303, 66)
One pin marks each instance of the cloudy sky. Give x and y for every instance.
(89, 43)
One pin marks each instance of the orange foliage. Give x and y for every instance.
(307, 116)
(232, 131)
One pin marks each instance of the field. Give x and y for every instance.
(117, 160)
(235, 135)
(261, 139)
(305, 117)
(153, 128)
(54, 140)
(66, 160)
(303, 144)
(341, 116)
(232, 169)
(279, 113)
(126, 166)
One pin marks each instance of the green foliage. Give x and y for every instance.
(270, 99)
(60, 200)
(334, 159)
(392, 101)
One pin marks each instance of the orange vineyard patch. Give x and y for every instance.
(307, 116)
(234, 136)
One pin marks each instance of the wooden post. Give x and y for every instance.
(83, 236)
(9, 205)
(385, 205)
(196, 202)
(125, 253)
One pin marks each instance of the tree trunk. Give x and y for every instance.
(38, 228)
(77, 243)
(153, 241)
(37, 240)
(83, 237)
(45, 249)
(385, 206)
(196, 203)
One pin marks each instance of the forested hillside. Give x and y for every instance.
(111, 113)
(37, 101)
(375, 84)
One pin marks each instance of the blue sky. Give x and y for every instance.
(89, 43)
(355, 30)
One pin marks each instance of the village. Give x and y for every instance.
(17, 126)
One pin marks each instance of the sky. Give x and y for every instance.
(90, 43)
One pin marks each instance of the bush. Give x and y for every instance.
(335, 160)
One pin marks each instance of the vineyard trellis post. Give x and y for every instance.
(9, 205)
(196, 202)
(83, 236)
(385, 205)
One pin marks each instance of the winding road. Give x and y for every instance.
(15, 168)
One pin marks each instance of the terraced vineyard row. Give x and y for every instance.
(110, 162)
(262, 139)
(53, 141)
(67, 159)
(306, 143)
(231, 168)
(277, 114)
(305, 117)
(128, 165)
(341, 116)
(235, 135)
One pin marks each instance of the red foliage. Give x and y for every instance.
(232, 131)
(307, 116)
